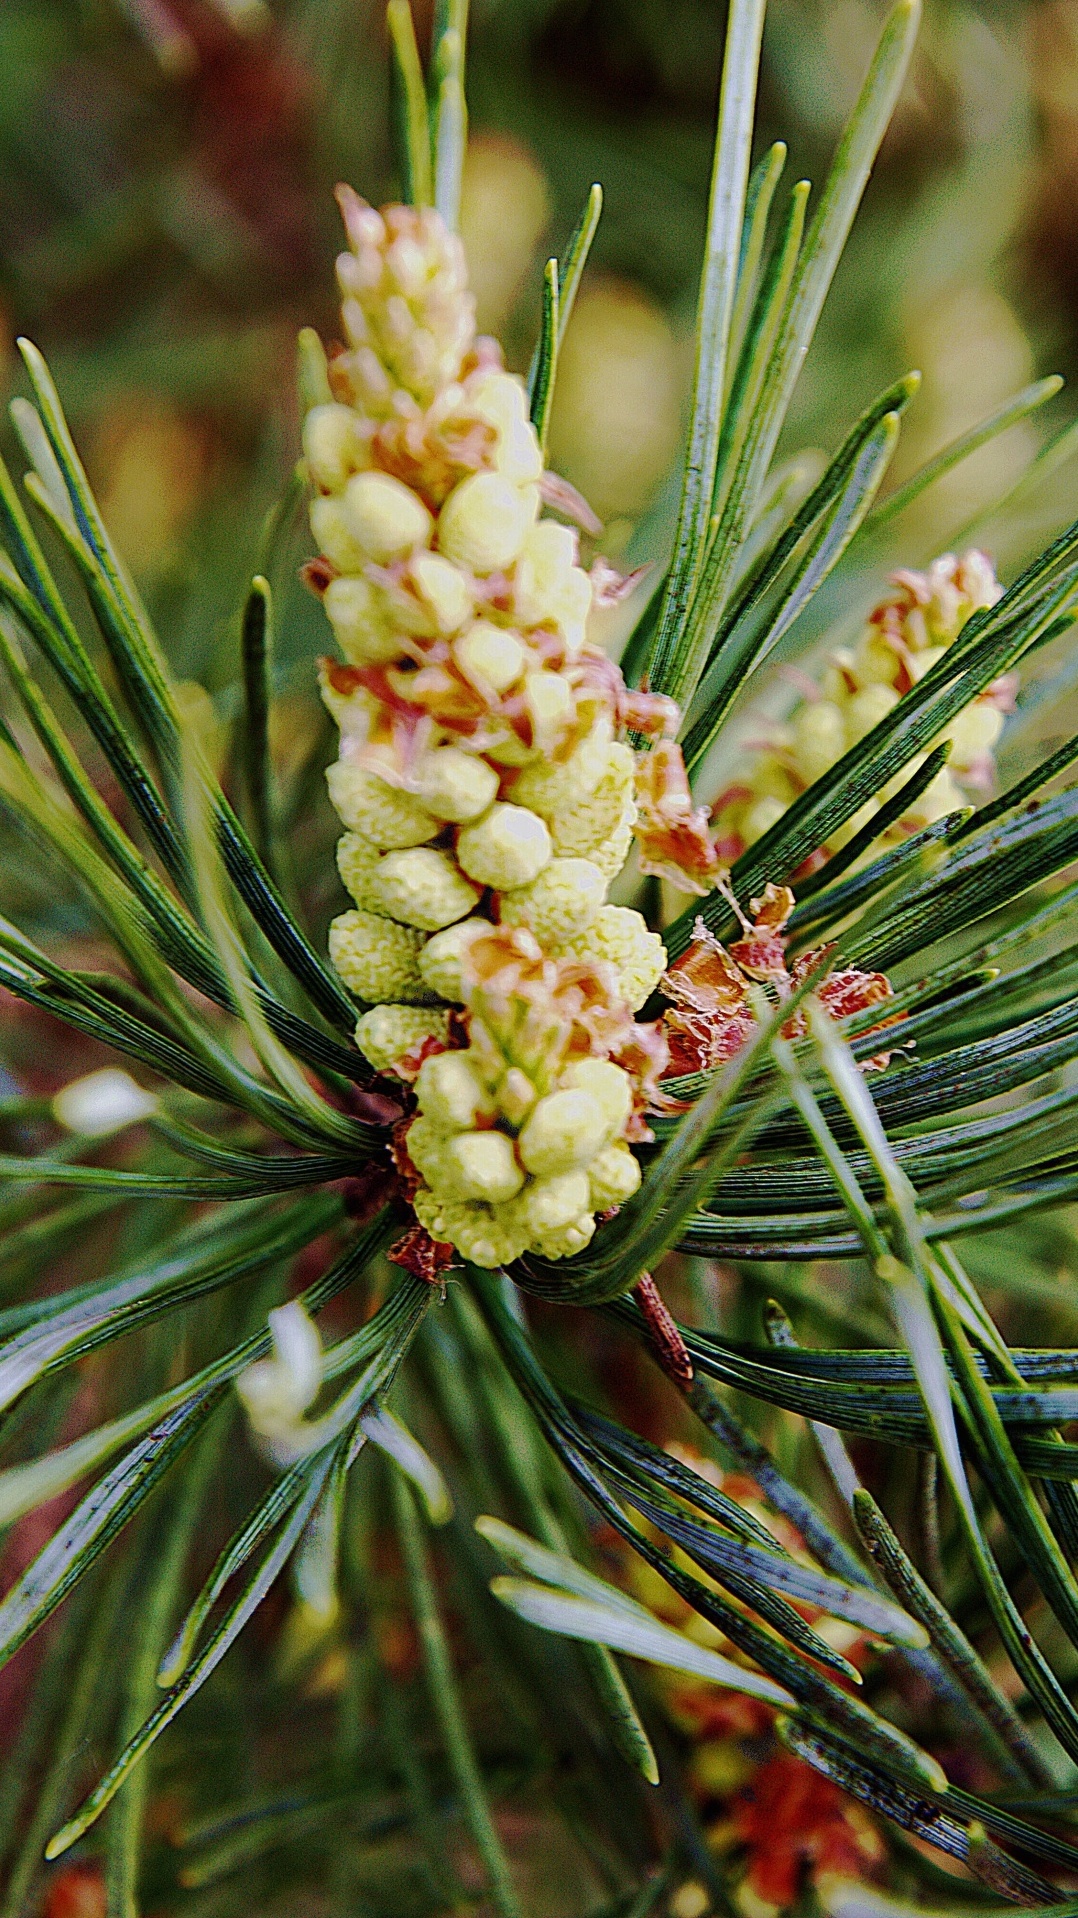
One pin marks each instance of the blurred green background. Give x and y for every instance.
(166, 223)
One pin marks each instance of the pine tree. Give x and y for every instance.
(361, 1254)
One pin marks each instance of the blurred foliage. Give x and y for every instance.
(165, 224)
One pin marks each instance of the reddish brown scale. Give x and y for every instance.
(408, 1065)
(608, 586)
(562, 495)
(340, 379)
(425, 1258)
(712, 1015)
(649, 713)
(317, 574)
(672, 834)
(344, 680)
(663, 1336)
(406, 1173)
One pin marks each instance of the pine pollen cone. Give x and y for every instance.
(484, 778)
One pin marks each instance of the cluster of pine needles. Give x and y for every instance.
(387, 1734)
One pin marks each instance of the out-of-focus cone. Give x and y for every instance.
(973, 354)
(617, 403)
(76, 1891)
(504, 209)
(150, 465)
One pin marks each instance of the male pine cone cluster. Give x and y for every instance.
(487, 800)
(902, 638)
